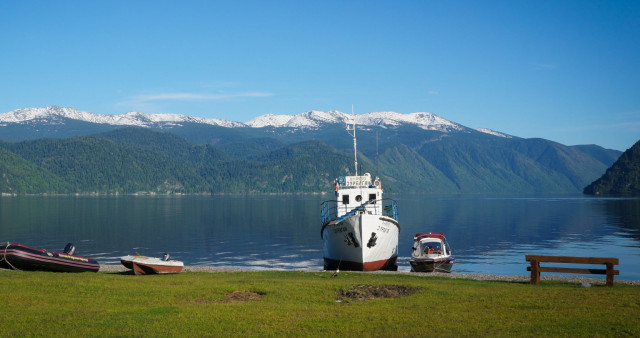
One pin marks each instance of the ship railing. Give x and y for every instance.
(329, 210)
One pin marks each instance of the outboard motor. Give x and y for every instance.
(166, 257)
(70, 249)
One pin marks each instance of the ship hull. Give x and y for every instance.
(361, 242)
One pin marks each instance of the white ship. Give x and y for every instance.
(359, 228)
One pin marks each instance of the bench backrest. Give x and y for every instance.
(572, 259)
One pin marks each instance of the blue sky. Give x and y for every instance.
(568, 71)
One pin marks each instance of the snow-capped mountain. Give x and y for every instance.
(493, 132)
(316, 118)
(309, 120)
(55, 114)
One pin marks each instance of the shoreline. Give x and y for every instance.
(474, 276)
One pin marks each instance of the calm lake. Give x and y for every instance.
(488, 234)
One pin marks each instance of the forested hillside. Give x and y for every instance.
(19, 176)
(407, 159)
(134, 160)
(623, 178)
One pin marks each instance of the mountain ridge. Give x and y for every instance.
(419, 152)
(306, 120)
(139, 119)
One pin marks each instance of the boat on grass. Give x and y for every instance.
(143, 265)
(431, 252)
(359, 228)
(22, 257)
(127, 260)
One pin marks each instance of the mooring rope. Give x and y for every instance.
(437, 266)
(4, 256)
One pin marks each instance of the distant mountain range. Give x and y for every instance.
(21, 124)
(311, 119)
(63, 150)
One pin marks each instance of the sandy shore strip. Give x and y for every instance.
(488, 277)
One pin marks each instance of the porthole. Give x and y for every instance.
(359, 198)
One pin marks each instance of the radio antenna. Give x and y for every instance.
(353, 129)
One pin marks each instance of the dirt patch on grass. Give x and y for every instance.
(243, 296)
(231, 297)
(201, 301)
(368, 292)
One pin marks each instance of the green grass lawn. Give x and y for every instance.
(306, 303)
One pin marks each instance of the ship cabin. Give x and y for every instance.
(354, 191)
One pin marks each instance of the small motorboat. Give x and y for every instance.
(431, 252)
(22, 257)
(143, 265)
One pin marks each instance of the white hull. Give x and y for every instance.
(361, 242)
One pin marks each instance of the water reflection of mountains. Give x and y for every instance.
(490, 223)
(626, 213)
(284, 231)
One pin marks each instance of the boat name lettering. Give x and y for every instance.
(339, 230)
(383, 229)
(357, 181)
(73, 257)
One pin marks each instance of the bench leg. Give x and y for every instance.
(535, 272)
(609, 274)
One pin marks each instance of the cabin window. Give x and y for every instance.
(372, 197)
(359, 198)
(431, 247)
(345, 199)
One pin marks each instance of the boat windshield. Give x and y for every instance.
(431, 247)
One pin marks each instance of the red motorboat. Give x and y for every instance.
(22, 257)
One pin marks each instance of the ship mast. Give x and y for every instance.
(353, 129)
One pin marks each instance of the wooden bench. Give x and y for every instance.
(535, 267)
